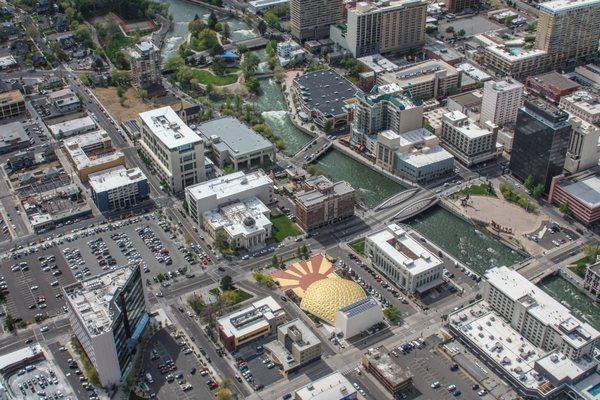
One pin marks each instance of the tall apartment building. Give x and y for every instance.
(400, 257)
(108, 314)
(456, 6)
(11, 104)
(382, 110)
(501, 102)
(145, 64)
(384, 27)
(540, 142)
(176, 150)
(568, 30)
(310, 19)
(584, 149)
(542, 320)
(323, 202)
(468, 142)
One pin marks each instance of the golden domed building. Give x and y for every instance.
(325, 297)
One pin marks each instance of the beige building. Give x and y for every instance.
(92, 152)
(310, 19)
(296, 345)
(501, 101)
(583, 105)
(433, 78)
(374, 28)
(584, 151)
(11, 104)
(145, 64)
(468, 142)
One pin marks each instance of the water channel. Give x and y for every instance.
(464, 241)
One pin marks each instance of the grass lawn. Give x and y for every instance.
(284, 227)
(241, 296)
(478, 190)
(358, 246)
(206, 77)
(579, 270)
(116, 45)
(215, 291)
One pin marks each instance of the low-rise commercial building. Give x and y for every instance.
(592, 281)
(290, 52)
(468, 142)
(358, 317)
(108, 315)
(296, 345)
(119, 188)
(581, 192)
(262, 6)
(225, 190)
(591, 72)
(12, 104)
(386, 370)
(231, 142)
(13, 137)
(425, 80)
(551, 85)
(65, 100)
(92, 152)
(468, 103)
(72, 127)
(323, 202)
(322, 97)
(334, 386)
(259, 319)
(582, 104)
(176, 151)
(405, 262)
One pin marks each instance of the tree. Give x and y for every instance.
(461, 33)
(85, 78)
(450, 29)
(84, 35)
(224, 394)
(185, 206)
(226, 283)
(263, 279)
(228, 297)
(272, 20)
(253, 85)
(392, 314)
(275, 261)
(120, 78)
(250, 64)
(212, 20)
(565, 208)
(9, 322)
(313, 170)
(221, 241)
(538, 190)
(226, 33)
(591, 253)
(174, 63)
(262, 27)
(218, 67)
(197, 304)
(529, 182)
(327, 126)
(196, 26)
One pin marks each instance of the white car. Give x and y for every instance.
(451, 387)
(44, 329)
(435, 385)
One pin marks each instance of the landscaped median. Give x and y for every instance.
(358, 246)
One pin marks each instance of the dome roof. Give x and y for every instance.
(325, 297)
(249, 221)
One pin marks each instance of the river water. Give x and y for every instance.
(474, 248)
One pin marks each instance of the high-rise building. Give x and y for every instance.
(145, 64)
(425, 80)
(175, 149)
(456, 6)
(584, 151)
(383, 27)
(501, 102)
(568, 30)
(540, 142)
(108, 314)
(470, 143)
(310, 19)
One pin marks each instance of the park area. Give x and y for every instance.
(206, 77)
(284, 227)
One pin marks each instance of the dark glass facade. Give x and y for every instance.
(129, 310)
(540, 143)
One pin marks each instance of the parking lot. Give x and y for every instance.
(254, 366)
(38, 380)
(61, 357)
(173, 374)
(34, 284)
(552, 235)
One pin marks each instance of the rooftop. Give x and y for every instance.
(91, 149)
(425, 156)
(228, 186)
(92, 300)
(586, 190)
(559, 6)
(365, 7)
(466, 126)
(242, 218)
(555, 81)
(167, 127)
(232, 135)
(114, 178)
(251, 318)
(360, 306)
(378, 63)
(10, 97)
(325, 91)
(584, 100)
(474, 72)
(331, 387)
(323, 189)
(401, 247)
(419, 73)
(85, 123)
(382, 361)
(12, 133)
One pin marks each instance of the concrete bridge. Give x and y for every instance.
(396, 199)
(252, 44)
(415, 208)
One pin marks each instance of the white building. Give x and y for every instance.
(501, 102)
(408, 264)
(176, 151)
(583, 105)
(358, 317)
(246, 224)
(118, 188)
(72, 127)
(290, 52)
(262, 6)
(225, 190)
(468, 142)
(584, 146)
(108, 315)
(334, 386)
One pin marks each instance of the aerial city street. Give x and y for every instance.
(299, 199)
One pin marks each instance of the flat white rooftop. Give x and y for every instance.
(331, 387)
(66, 127)
(251, 318)
(567, 5)
(167, 127)
(243, 218)
(115, 178)
(586, 190)
(229, 185)
(425, 156)
(467, 128)
(399, 246)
